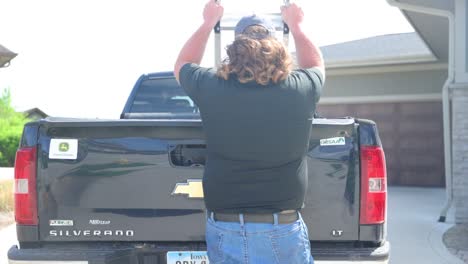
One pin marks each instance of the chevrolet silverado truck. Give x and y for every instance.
(129, 190)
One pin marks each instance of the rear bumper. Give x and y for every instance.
(86, 262)
(45, 262)
(95, 254)
(348, 255)
(351, 262)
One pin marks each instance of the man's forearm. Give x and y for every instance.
(307, 53)
(194, 48)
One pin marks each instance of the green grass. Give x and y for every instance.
(6, 196)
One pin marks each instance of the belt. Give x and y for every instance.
(284, 217)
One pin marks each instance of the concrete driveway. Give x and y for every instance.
(413, 231)
(7, 239)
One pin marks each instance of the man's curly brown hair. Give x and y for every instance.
(256, 56)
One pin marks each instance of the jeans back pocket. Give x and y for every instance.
(214, 244)
(291, 244)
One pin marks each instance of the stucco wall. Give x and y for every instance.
(460, 154)
(381, 84)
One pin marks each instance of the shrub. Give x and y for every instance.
(8, 146)
(11, 127)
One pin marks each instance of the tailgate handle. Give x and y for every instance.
(187, 155)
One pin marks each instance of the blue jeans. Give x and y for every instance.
(251, 243)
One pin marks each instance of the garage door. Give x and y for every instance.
(411, 134)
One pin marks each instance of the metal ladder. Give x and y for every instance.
(276, 18)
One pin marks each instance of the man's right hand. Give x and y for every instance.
(292, 15)
(213, 12)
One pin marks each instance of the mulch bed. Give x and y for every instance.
(456, 241)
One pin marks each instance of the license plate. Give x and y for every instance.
(187, 257)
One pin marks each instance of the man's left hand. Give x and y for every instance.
(213, 12)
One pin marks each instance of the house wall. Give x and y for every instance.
(407, 118)
(385, 84)
(411, 135)
(460, 114)
(460, 153)
(461, 40)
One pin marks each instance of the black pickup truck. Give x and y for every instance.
(129, 190)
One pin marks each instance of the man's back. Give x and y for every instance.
(257, 138)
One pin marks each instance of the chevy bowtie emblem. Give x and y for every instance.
(193, 188)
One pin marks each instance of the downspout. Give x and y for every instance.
(445, 94)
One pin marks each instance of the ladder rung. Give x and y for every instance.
(232, 28)
(231, 20)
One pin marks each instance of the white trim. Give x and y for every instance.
(386, 69)
(381, 99)
(381, 61)
(459, 85)
(465, 16)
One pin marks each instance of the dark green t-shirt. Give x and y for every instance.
(257, 138)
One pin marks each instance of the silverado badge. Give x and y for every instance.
(193, 189)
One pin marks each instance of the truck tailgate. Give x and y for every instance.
(140, 180)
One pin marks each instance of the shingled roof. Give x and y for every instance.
(5, 56)
(380, 50)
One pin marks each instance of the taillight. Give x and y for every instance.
(25, 186)
(373, 185)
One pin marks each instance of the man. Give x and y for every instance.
(257, 115)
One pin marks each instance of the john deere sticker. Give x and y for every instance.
(336, 141)
(63, 149)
